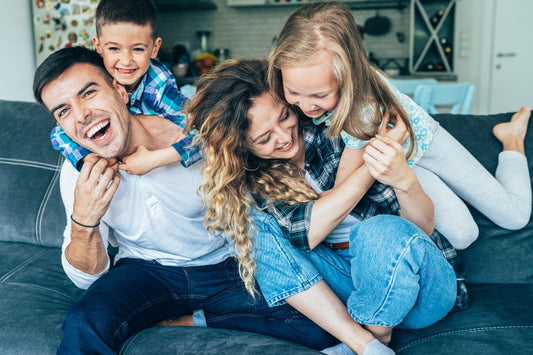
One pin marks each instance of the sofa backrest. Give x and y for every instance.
(31, 210)
(498, 255)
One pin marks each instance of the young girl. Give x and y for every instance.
(320, 66)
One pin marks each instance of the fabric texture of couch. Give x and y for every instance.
(35, 294)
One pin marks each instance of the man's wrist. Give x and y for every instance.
(83, 224)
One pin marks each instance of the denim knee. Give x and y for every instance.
(395, 269)
(82, 332)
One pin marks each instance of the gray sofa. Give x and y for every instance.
(35, 294)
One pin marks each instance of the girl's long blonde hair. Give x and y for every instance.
(330, 26)
(219, 111)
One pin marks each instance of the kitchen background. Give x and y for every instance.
(249, 30)
(487, 50)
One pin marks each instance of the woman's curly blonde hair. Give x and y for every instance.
(232, 175)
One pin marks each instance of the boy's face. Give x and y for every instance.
(126, 49)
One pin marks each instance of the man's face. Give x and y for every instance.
(91, 111)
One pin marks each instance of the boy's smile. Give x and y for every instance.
(126, 49)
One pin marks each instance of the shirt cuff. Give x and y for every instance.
(189, 153)
(80, 278)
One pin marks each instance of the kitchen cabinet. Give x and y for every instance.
(431, 36)
(184, 5)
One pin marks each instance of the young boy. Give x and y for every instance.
(126, 38)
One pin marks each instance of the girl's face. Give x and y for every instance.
(273, 130)
(312, 87)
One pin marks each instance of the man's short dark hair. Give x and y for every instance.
(139, 12)
(59, 62)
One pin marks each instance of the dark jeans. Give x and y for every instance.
(137, 294)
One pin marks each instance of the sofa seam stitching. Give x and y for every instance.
(44, 202)
(30, 163)
(469, 330)
(73, 299)
(10, 273)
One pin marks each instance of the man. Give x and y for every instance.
(167, 265)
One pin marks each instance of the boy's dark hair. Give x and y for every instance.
(139, 12)
(59, 62)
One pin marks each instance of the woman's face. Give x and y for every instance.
(273, 131)
(312, 87)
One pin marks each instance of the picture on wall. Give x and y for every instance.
(62, 23)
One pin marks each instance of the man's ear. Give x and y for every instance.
(157, 45)
(121, 90)
(97, 46)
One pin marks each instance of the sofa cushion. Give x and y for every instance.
(32, 211)
(499, 255)
(196, 340)
(36, 295)
(499, 321)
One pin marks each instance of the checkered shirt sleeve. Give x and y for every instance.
(73, 152)
(158, 94)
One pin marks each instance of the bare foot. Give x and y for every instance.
(381, 333)
(178, 321)
(513, 133)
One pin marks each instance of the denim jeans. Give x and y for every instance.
(392, 274)
(136, 294)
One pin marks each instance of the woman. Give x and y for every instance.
(256, 151)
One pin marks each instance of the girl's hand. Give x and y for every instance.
(386, 162)
(394, 127)
(138, 163)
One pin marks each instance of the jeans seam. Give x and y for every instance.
(333, 265)
(139, 310)
(389, 288)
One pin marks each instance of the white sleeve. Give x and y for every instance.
(67, 184)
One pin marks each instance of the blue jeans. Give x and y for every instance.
(136, 294)
(392, 275)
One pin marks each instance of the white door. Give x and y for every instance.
(512, 56)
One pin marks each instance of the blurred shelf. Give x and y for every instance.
(354, 5)
(432, 36)
(184, 5)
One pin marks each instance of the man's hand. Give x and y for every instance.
(95, 187)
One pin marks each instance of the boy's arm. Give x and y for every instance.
(73, 152)
(170, 105)
(144, 160)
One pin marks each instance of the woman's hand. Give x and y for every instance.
(386, 162)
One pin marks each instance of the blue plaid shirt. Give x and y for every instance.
(157, 94)
(322, 157)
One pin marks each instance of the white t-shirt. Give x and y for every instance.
(342, 232)
(157, 216)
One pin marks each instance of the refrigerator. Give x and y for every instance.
(62, 23)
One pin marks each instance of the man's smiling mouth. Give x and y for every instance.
(98, 131)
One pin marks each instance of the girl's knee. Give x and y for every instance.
(463, 237)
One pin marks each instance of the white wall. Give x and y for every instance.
(17, 62)
(473, 48)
